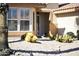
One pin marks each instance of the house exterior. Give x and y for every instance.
(66, 18)
(28, 17)
(21, 18)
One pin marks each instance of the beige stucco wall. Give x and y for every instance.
(52, 5)
(32, 23)
(53, 23)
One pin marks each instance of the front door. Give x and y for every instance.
(42, 23)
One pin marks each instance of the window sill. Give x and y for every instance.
(19, 31)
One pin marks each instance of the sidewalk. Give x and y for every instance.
(44, 47)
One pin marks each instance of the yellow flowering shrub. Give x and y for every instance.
(30, 37)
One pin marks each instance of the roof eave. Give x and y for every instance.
(65, 10)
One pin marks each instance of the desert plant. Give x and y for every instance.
(60, 38)
(78, 34)
(30, 37)
(51, 36)
(23, 36)
(71, 34)
(56, 37)
(33, 39)
(64, 38)
(67, 38)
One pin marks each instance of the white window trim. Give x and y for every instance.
(22, 30)
(14, 30)
(18, 21)
(13, 19)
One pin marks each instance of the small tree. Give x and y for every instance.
(4, 48)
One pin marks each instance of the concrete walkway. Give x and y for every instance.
(43, 47)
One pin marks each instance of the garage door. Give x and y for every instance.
(67, 24)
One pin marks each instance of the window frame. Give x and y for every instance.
(13, 19)
(17, 25)
(29, 25)
(24, 13)
(30, 19)
(11, 15)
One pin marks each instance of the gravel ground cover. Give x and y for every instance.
(43, 47)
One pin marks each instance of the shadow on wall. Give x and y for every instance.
(77, 21)
(61, 31)
(53, 28)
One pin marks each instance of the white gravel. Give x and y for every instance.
(43, 47)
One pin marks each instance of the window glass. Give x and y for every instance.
(24, 25)
(27, 13)
(9, 14)
(18, 19)
(12, 14)
(12, 25)
(24, 13)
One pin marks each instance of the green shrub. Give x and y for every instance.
(78, 34)
(71, 34)
(52, 38)
(58, 37)
(23, 36)
(64, 38)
